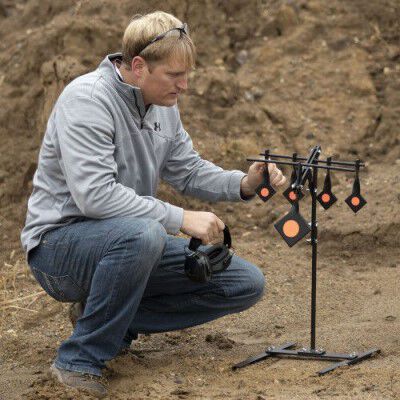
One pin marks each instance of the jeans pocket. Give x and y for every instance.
(62, 288)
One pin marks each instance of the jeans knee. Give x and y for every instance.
(256, 281)
(250, 283)
(153, 239)
(243, 282)
(147, 236)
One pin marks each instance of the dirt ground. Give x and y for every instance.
(270, 74)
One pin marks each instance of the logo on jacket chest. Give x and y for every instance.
(157, 126)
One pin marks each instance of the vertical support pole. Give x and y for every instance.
(314, 242)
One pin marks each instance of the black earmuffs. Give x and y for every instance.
(201, 265)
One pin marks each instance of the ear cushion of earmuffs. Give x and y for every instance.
(220, 257)
(217, 253)
(197, 267)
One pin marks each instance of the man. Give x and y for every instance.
(95, 231)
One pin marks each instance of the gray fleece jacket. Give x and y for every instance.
(103, 156)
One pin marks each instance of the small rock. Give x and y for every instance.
(310, 136)
(241, 384)
(222, 342)
(286, 18)
(248, 96)
(178, 380)
(242, 56)
(346, 254)
(390, 318)
(257, 93)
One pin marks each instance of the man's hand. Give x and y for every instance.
(202, 225)
(255, 177)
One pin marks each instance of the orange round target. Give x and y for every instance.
(264, 192)
(325, 198)
(292, 195)
(355, 201)
(291, 228)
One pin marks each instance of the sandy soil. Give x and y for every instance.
(270, 74)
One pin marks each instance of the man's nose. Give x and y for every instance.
(182, 83)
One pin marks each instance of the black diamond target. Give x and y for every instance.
(292, 196)
(356, 201)
(265, 191)
(326, 198)
(292, 227)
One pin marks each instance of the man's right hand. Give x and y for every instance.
(202, 225)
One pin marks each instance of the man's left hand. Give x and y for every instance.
(254, 177)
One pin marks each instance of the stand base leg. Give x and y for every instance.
(359, 357)
(262, 356)
(284, 351)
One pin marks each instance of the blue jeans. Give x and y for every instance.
(130, 274)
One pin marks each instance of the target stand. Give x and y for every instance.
(292, 227)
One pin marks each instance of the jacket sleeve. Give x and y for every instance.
(188, 173)
(86, 149)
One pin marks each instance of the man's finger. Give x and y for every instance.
(271, 167)
(279, 182)
(279, 179)
(274, 174)
(221, 225)
(259, 165)
(205, 239)
(214, 231)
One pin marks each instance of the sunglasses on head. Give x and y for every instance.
(174, 32)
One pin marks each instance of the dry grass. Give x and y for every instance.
(14, 291)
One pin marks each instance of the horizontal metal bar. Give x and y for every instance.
(303, 165)
(321, 161)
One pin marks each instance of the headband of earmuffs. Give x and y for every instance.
(195, 243)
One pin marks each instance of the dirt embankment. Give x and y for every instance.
(271, 74)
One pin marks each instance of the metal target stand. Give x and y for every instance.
(308, 171)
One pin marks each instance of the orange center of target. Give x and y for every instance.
(292, 196)
(325, 198)
(291, 228)
(264, 192)
(355, 201)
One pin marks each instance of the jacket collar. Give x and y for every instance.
(132, 93)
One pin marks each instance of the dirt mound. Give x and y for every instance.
(272, 74)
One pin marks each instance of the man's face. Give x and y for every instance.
(162, 83)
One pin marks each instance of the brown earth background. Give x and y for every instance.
(270, 74)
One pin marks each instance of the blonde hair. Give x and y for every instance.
(144, 28)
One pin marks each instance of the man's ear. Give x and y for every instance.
(138, 66)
